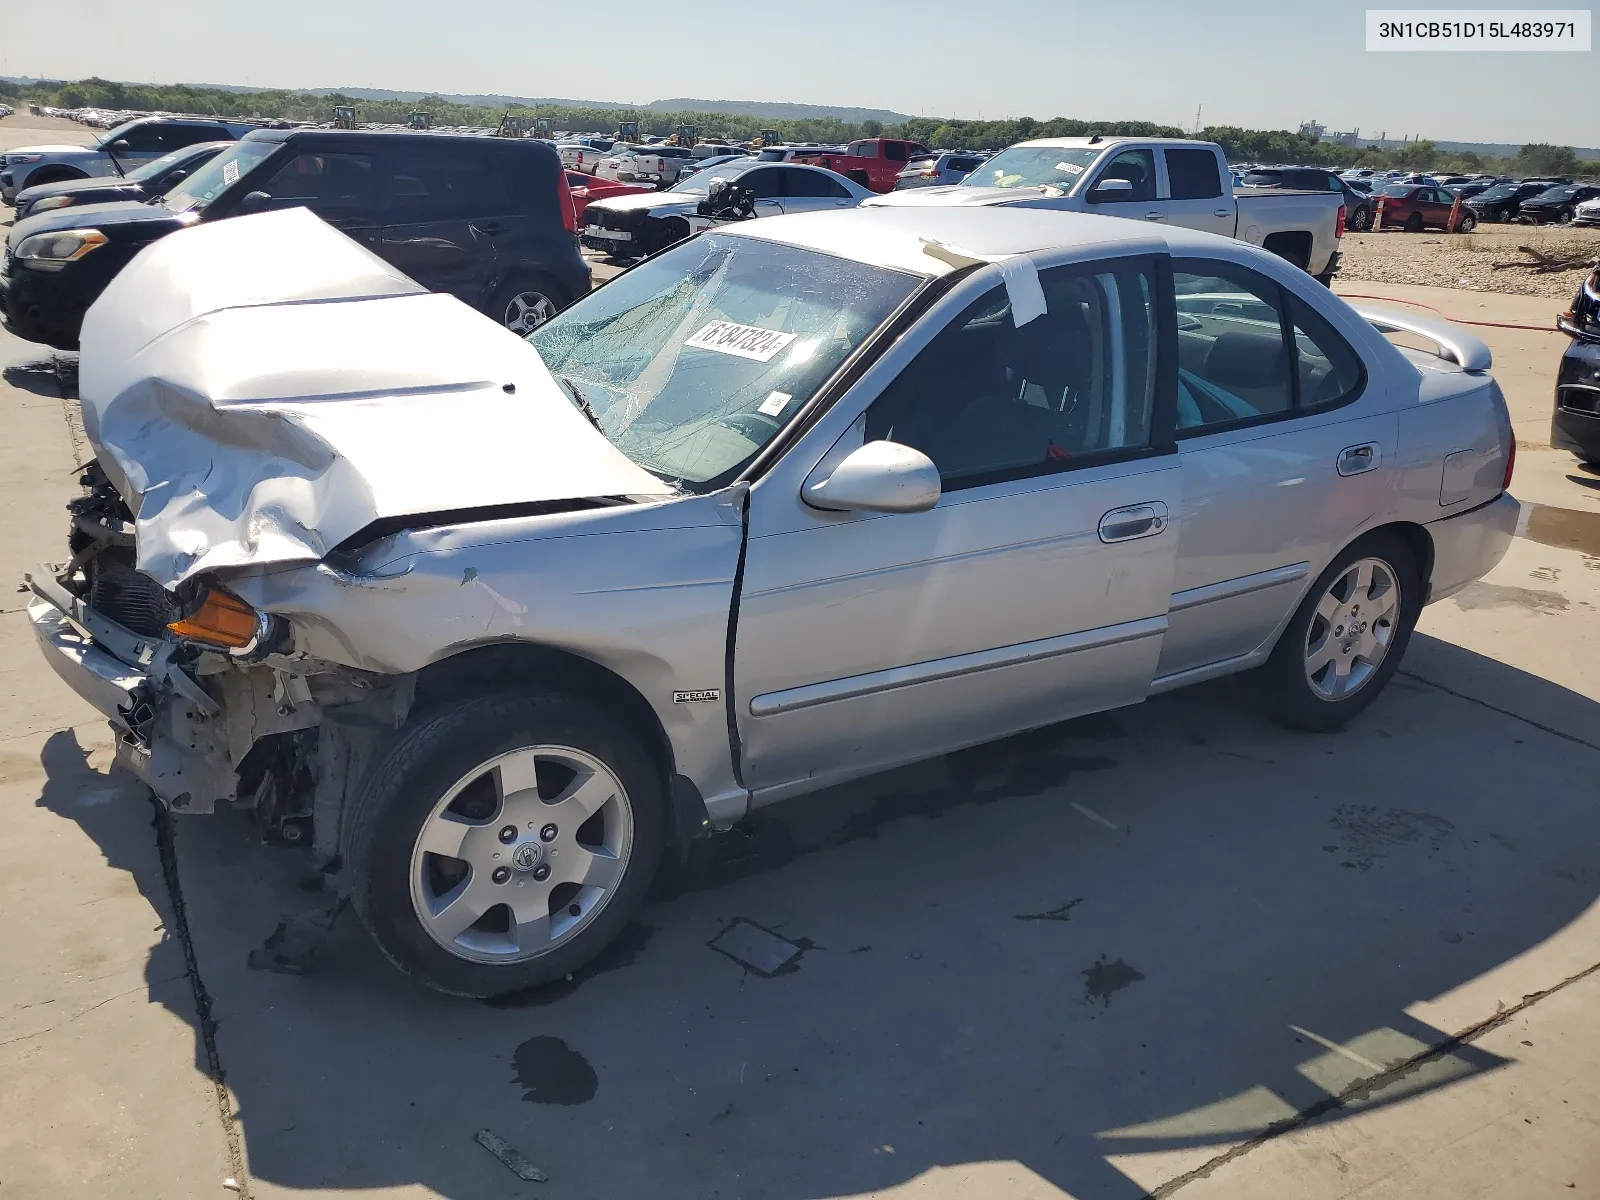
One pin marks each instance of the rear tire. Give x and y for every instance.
(1361, 219)
(1347, 638)
(526, 301)
(454, 771)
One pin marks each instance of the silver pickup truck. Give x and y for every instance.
(1154, 179)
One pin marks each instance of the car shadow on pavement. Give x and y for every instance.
(1156, 932)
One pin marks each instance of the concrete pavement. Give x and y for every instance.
(1173, 950)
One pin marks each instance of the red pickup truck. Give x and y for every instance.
(872, 162)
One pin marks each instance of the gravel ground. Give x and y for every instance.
(1469, 261)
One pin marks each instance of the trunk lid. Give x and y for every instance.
(260, 389)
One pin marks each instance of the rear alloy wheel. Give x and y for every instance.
(527, 309)
(1361, 219)
(1347, 637)
(1414, 223)
(504, 841)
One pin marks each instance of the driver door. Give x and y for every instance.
(1035, 590)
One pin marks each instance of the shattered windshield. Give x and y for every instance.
(694, 360)
(1034, 166)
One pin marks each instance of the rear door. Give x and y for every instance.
(450, 212)
(1281, 461)
(1199, 196)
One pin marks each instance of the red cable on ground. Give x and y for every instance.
(1447, 317)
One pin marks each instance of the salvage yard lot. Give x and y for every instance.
(1097, 960)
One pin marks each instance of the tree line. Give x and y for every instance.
(1240, 145)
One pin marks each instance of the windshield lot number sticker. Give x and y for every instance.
(745, 341)
(774, 403)
(230, 173)
(1069, 168)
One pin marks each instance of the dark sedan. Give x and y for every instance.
(1576, 425)
(1558, 205)
(151, 180)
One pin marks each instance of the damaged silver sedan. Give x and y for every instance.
(493, 626)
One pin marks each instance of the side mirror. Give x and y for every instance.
(177, 176)
(879, 477)
(1112, 189)
(118, 146)
(254, 202)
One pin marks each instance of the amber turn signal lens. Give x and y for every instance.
(220, 620)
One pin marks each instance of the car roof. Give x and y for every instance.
(895, 237)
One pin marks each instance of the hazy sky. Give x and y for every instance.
(1251, 64)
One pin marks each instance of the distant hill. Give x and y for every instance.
(1487, 149)
(781, 111)
(777, 110)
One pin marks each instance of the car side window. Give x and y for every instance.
(894, 151)
(1138, 167)
(1192, 174)
(447, 187)
(988, 400)
(178, 136)
(768, 183)
(145, 139)
(1249, 350)
(1327, 369)
(864, 149)
(807, 183)
(325, 181)
(1233, 360)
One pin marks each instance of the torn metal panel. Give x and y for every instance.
(235, 411)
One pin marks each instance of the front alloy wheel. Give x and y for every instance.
(521, 854)
(526, 310)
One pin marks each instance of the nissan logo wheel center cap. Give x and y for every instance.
(528, 855)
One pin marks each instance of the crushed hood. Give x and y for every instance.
(261, 388)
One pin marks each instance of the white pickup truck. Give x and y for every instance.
(1154, 179)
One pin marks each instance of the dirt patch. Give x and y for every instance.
(1481, 261)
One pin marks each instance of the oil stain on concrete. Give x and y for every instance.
(1107, 977)
(1496, 595)
(552, 1072)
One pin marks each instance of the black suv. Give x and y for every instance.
(478, 217)
(1357, 205)
(1576, 425)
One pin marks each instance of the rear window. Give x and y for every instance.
(1263, 178)
(1397, 191)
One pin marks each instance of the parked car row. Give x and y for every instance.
(488, 220)
(125, 148)
(1576, 423)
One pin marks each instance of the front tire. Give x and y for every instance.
(1414, 223)
(504, 841)
(1347, 638)
(1466, 223)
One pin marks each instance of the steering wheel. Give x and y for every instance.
(740, 423)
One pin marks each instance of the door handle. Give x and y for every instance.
(1153, 216)
(1134, 521)
(1221, 212)
(491, 228)
(1358, 460)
